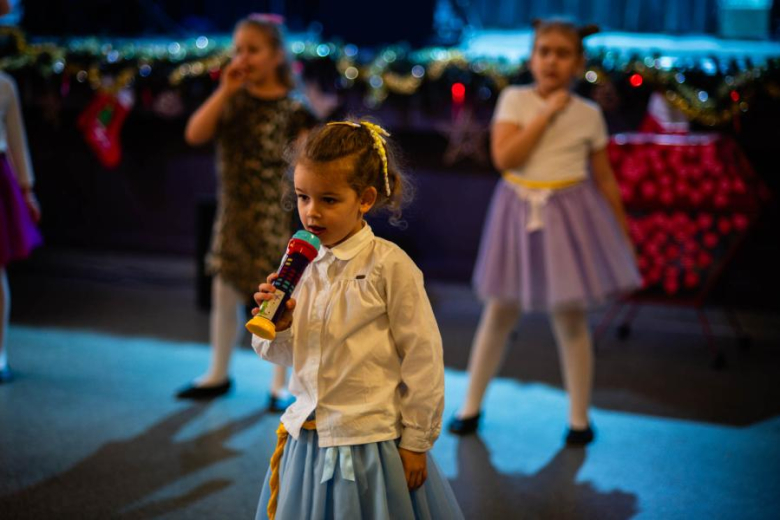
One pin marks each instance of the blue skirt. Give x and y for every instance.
(376, 491)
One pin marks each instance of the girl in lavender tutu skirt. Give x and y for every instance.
(555, 237)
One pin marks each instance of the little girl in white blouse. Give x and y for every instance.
(368, 375)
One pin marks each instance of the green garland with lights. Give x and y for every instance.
(709, 91)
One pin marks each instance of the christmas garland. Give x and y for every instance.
(710, 90)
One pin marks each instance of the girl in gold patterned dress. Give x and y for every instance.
(253, 117)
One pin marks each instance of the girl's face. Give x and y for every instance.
(555, 61)
(327, 205)
(255, 55)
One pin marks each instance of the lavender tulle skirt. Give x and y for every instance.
(579, 257)
(18, 233)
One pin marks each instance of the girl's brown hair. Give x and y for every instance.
(565, 27)
(328, 143)
(271, 26)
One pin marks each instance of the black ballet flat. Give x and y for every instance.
(579, 437)
(278, 404)
(465, 426)
(204, 393)
(6, 376)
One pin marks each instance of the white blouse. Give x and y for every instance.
(365, 348)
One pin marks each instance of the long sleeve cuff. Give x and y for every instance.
(414, 439)
(278, 351)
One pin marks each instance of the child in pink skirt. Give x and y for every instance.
(19, 209)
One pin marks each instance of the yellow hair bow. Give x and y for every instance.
(380, 145)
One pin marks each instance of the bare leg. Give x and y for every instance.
(575, 351)
(487, 351)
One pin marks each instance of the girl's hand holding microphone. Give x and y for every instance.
(266, 293)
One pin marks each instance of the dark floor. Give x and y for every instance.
(99, 343)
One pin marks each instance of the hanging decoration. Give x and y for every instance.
(101, 123)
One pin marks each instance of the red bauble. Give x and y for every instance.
(660, 238)
(696, 198)
(659, 220)
(691, 279)
(627, 193)
(710, 240)
(652, 249)
(705, 221)
(654, 275)
(682, 189)
(741, 222)
(697, 172)
(724, 225)
(649, 190)
(690, 246)
(680, 219)
(739, 186)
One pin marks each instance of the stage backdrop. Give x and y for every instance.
(662, 16)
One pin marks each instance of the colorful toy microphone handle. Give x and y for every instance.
(301, 250)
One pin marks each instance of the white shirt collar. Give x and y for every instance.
(348, 249)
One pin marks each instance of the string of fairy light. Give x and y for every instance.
(708, 90)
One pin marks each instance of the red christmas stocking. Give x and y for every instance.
(101, 123)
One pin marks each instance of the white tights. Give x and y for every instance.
(226, 327)
(5, 309)
(572, 336)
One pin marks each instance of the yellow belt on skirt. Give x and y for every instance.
(540, 185)
(536, 194)
(342, 453)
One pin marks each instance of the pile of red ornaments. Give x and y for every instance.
(695, 172)
(677, 250)
(689, 198)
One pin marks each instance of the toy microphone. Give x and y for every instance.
(301, 250)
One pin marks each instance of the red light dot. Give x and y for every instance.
(458, 92)
(636, 80)
(734, 96)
